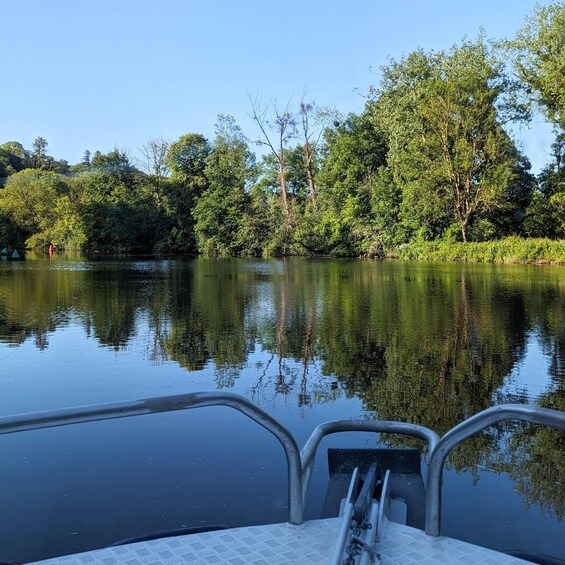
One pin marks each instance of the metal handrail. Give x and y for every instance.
(300, 464)
(93, 413)
(308, 452)
(464, 430)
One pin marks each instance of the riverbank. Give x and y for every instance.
(508, 250)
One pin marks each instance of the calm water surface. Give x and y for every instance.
(308, 341)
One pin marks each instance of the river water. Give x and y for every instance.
(306, 340)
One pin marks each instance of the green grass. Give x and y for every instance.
(509, 250)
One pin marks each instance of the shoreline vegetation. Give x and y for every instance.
(511, 250)
(428, 170)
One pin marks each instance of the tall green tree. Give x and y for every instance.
(442, 113)
(117, 164)
(509, 216)
(220, 211)
(354, 151)
(186, 158)
(30, 200)
(39, 153)
(539, 58)
(13, 158)
(545, 217)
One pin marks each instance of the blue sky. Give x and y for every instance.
(95, 74)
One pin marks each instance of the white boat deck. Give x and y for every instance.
(312, 542)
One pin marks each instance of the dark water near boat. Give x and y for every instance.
(308, 341)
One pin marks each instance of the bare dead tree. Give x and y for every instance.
(314, 122)
(153, 162)
(282, 125)
(306, 109)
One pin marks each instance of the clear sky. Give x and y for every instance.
(95, 74)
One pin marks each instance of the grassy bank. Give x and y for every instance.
(509, 250)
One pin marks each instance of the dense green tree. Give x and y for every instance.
(297, 180)
(114, 161)
(186, 158)
(117, 165)
(220, 210)
(262, 222)
(39, 153)
(118, 212)
(442, 114)
(13, 158)
(552, 183)
(105, 209)
(387, 226)
(297, 189)
(545, 216)
(354, 151)
(57, 166)
(429, 158)
(10, 232)
(539, 57)
(508, 217)
(30, 200)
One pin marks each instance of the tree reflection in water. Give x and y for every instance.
(425, 343)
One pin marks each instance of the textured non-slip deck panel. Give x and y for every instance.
(313, 542)
(408, 546)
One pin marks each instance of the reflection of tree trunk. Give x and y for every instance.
(41, 341)
(307, 343)
(158, 350)
(259, 382)
(303, 397)
(445, 363)
(465, 309)
(281, 384)
(458, 337)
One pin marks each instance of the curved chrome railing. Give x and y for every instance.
(464, 430)
(53, 418)
(300, 463)
(308, 452)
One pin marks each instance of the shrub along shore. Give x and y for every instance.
(509, 250)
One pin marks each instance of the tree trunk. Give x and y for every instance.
(284, 197)
(464, 231)
(309, 175)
